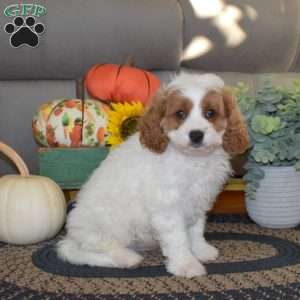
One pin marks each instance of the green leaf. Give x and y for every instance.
(65, 119)
(297, 153)
(257, 137)
(264, 124)
(263, 156)
(248, 177)
(258, 172)
(270, 108)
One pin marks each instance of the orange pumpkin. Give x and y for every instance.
(110, 82)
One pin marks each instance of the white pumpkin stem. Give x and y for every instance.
(15, 157)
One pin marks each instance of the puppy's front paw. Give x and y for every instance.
(188, 268)
(205, 252)
(126, 258)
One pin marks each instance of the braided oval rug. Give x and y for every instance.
(254, 263)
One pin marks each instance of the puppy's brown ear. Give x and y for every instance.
(235, 138)
(152, 135)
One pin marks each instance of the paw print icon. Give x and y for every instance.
(24, 32)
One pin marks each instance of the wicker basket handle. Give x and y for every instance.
(15, 157)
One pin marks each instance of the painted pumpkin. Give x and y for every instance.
(110, 82)
(32, 208)
(71, 123)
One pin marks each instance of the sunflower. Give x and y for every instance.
(122, 121)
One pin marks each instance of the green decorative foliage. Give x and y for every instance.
(65, 119)
(263, 156)
(265, 125)
(90, 129)
(246, 101)
(273, 119)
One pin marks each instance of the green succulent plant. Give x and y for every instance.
(246, 101)
(265, 125)
(273, 119)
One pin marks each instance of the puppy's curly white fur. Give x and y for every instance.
(156, 188)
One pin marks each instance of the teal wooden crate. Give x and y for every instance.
(70, 167)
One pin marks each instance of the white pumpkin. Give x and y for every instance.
(32, 208)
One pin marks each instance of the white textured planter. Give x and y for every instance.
(277, 203)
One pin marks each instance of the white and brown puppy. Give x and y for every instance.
(156, 188)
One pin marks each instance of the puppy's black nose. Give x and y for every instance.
(196, 136)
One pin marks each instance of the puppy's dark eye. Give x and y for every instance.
(180, 114)
(210, 114)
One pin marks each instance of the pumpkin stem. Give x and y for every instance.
(129, 61)
(15, 157)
